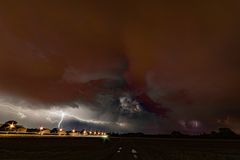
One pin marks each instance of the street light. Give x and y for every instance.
(11, 126)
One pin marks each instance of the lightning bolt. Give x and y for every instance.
(64, 114)
(61, 120)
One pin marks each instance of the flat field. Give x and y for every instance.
(118, 149)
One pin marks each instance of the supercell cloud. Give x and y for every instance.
(122, 66)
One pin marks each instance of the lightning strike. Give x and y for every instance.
(62, 117)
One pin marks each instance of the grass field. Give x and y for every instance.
(118, 149)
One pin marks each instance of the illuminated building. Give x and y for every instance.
(44, 131)
(61, 132)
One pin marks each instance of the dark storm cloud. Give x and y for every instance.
(180, 60)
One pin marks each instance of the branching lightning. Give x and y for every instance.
(64, 114)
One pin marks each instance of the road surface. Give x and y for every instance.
(117, 149)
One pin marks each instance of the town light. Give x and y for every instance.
(11, 126)
(73, 130)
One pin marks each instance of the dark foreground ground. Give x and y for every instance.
(118, 149)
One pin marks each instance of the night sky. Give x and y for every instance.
(124, 66)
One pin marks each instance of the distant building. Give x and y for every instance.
(84, 132)
(44, 131)
(58, 131)
(21, 129)
(62, 132)
(90, 132)
(73, 134)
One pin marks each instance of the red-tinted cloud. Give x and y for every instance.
(58, 52)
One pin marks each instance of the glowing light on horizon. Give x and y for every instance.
(11, 126)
